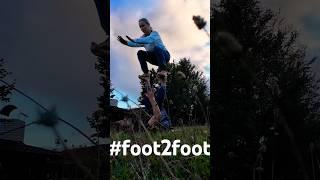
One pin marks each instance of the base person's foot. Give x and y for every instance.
(162, 75)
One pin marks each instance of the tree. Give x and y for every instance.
(100, 118)
(265, 95)
(6, 88)
(187, 93)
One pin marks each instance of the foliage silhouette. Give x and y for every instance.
(266, 90)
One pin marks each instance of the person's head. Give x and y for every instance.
(145, 26)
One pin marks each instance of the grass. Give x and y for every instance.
(152, 167)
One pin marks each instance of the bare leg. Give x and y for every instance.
(153, 121)
(155, 108)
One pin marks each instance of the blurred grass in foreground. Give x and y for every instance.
(151, 167)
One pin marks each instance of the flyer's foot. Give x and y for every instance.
(144, 77)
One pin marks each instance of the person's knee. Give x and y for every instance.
(140, 53)
(167, 56)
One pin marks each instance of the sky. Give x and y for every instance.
(45, 45)
(173, 21)
(304, 17)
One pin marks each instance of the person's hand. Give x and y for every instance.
(122, 41)
(130, 39)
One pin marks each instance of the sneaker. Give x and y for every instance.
(145, 77)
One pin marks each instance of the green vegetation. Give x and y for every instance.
(152, 167)
(266, 96)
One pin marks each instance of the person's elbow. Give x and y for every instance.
(157, 116)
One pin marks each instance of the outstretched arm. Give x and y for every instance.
(144, 40)
(148, 39)
(131, 44)
(122, 41)
(130, 39)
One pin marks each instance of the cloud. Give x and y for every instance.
(303, 16)
(46, 47)
(173, 20)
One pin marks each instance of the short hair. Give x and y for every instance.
(144, 20)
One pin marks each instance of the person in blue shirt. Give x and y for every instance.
(156, 52)
(153, 100)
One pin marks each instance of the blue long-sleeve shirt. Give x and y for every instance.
(148, 42)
